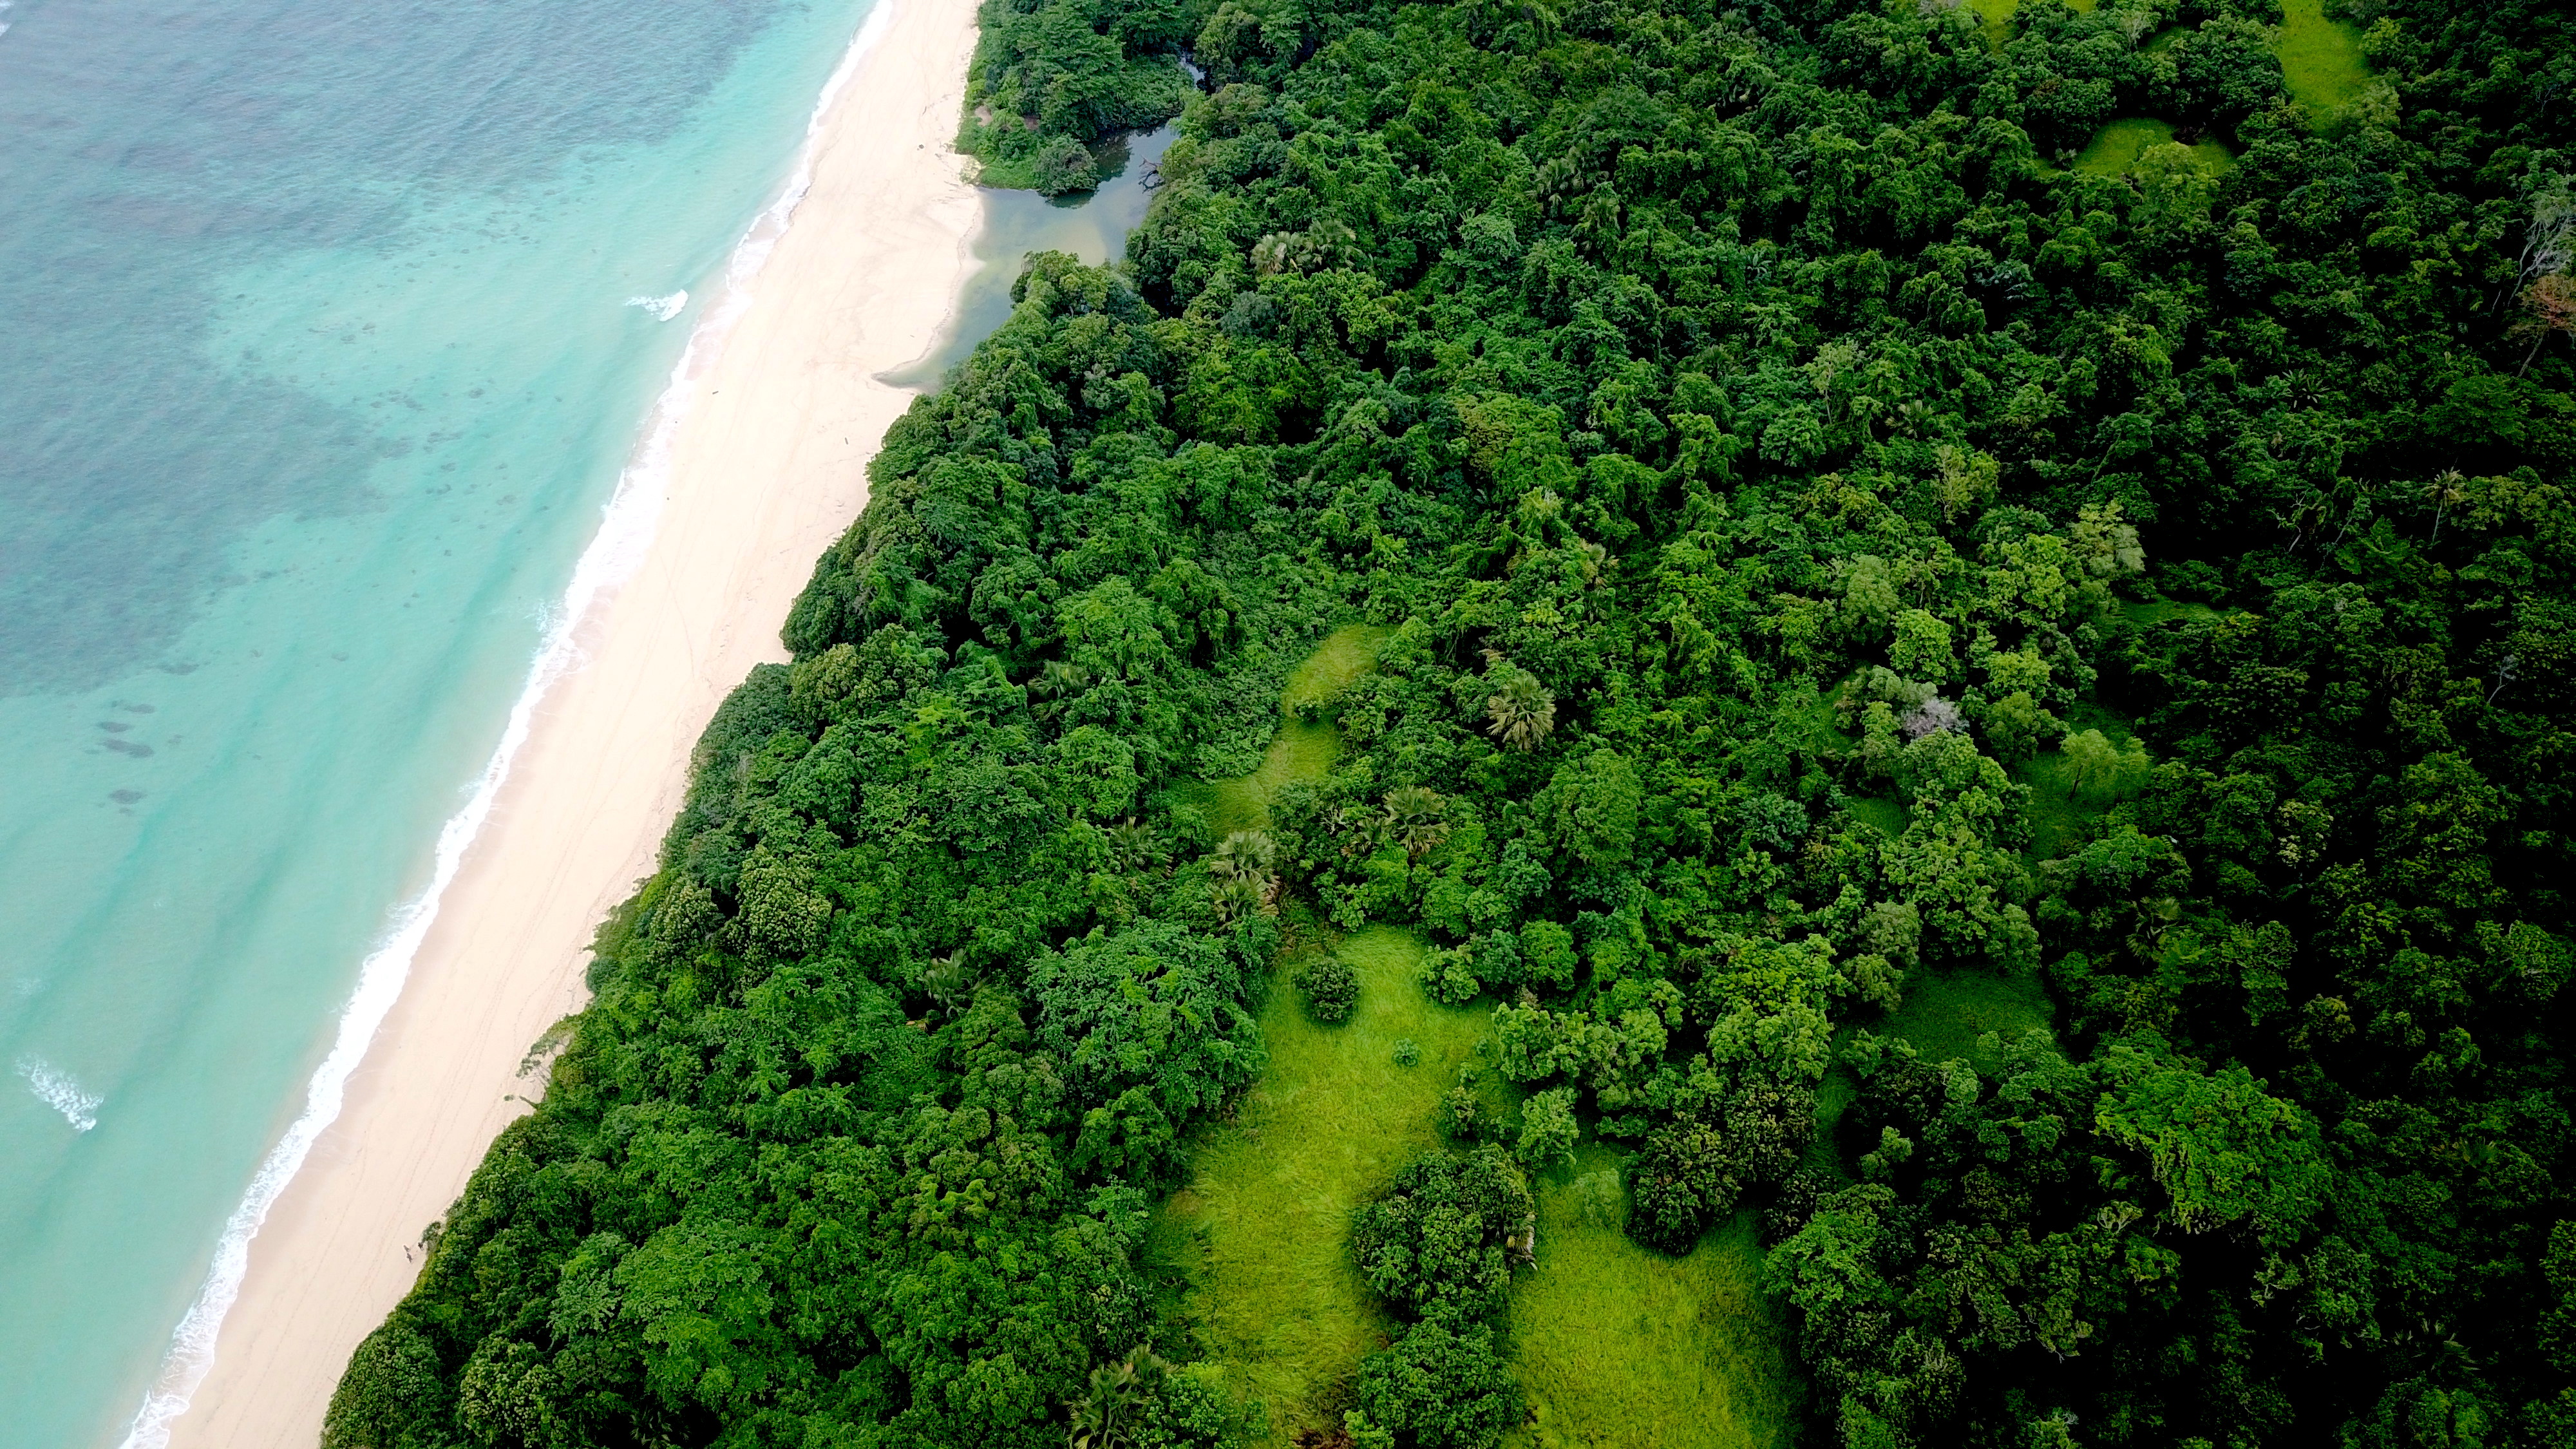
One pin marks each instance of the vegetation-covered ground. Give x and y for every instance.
(1855, 589)
(1621, 1347)
(2117, 148)
(1616, 1345)
(1948, 1014)
(1261, 1227)
(2322, 64)
(1306, 743)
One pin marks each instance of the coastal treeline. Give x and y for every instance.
(1056, 82)
(1834, 547)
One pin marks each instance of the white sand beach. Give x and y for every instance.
(766, 468)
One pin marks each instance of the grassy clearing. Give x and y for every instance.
(1618, 1347)
(2321, 63)
(1942, 1016)
(1343, 656)
(2141, 615)
(2320, 58)
(1623, 1348)
(2057, 818)
(1261, 1235)
(2116, 148)
(2059, 814)
(1998, 16)
(1944, 1012)
(1302, 750)
(1258, 1241)
(1884, 813)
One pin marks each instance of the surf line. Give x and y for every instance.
(626, 529)
(662, 309)
(60, 1092)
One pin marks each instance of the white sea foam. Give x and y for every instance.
(662, 308)
(60, 1092)
(625, 532)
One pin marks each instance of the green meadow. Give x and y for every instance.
(1883, 813)
(2321, 59)
(2321, 65)
(1303, 749)
(2059, 811)
(1621, 1347)
(2118, 147)
(1261, 1232)
(1998, 15)
(1945, 1012)
(1616, 1346)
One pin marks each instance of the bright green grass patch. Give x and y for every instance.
(2147, 614)
(1300, 752)
(1944, 1012)
(2320, 58)
(2117, 147)
(1942, 1016)
(1345, 655)
(1617, 1345)
(2059, 814)
(1620, 1347)
(1820, 721)
(1998, 16)
(1303, 750)
(1886, 815)
(1261, 1233)
(2057, 819)
(2321, 62)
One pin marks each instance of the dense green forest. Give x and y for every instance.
(1056, 83)
(1872, 521)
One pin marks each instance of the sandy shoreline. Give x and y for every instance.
(765, 470)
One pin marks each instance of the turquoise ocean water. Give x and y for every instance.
(317, 369)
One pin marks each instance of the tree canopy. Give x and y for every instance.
(1831, 544)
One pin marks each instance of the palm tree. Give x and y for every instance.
(1056, 685)
(1237, 896)
(1239, 875)
(2442, 492)
(2147, 929)
(1135, 848)
(947, 979)
(1104, 1417)
(1416, 814)
(1244, 853)
(1522, 711)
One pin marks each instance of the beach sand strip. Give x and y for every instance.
(766, 470)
